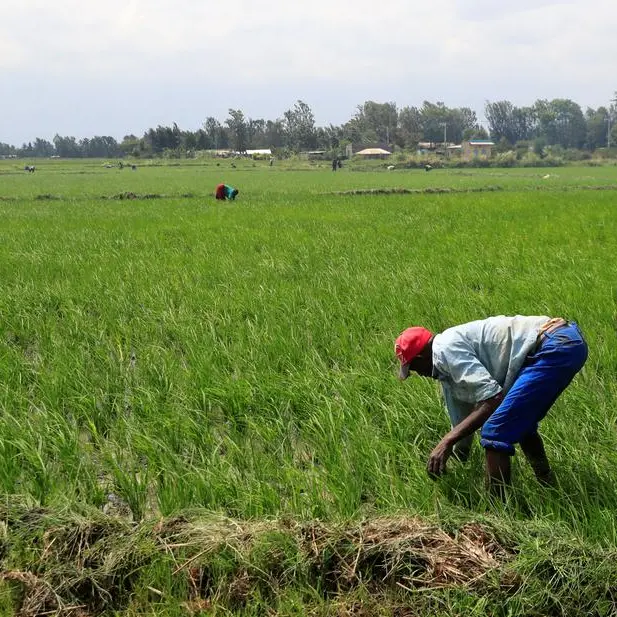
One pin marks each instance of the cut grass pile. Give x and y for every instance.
(88, 564)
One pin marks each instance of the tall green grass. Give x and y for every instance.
(178, 353)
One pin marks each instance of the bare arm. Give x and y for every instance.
(479, 415)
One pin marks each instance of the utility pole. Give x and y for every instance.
(445, 133)
(608, 121)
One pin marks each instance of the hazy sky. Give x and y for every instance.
(114, 67)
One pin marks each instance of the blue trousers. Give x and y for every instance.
(547, 372)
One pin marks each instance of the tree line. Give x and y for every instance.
(558, 122)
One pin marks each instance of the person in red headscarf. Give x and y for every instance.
(224, 191)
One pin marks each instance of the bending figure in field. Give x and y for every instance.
(224, 191)
(501, 374)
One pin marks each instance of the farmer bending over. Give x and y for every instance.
(224, 191)
(502, 374)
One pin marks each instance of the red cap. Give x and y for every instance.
(409, 344)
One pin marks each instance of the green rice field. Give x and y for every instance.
(199, 409)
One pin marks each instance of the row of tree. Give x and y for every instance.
(560, 122)
(557, 122)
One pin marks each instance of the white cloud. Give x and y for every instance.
(480, 10)
(12, 55)
(219, 53)
(251, 39)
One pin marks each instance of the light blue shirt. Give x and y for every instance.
(477, 360)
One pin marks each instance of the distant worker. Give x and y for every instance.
(500, 374)
(224, 191)
(334, 164)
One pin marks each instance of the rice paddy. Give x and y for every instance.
(166, 359)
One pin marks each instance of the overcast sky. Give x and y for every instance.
(113, 67)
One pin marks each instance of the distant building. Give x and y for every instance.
(441, 148)
(477, 148)
(374, 153)
(314, 155)
(426, 147)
